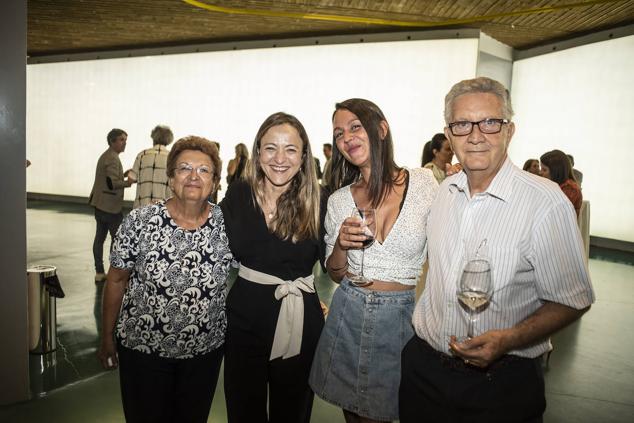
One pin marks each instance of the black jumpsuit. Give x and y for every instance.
(252, 313)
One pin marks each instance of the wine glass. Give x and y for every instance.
(368, 223)
(475, 289)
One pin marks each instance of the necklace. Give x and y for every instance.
(270, 212)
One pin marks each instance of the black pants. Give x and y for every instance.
(439, 388)
(106, 222)
(251, 380)
(157, 390)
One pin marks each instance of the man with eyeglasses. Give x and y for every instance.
(526, 228)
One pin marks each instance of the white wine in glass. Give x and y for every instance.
(475, 290)
(368, 223)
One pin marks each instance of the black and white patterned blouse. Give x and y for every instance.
(174, 305)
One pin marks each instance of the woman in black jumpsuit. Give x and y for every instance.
(273, 220)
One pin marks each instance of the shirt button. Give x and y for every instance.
(369, 310)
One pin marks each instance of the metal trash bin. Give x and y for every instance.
(43, 289)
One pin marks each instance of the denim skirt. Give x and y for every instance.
(357, 364)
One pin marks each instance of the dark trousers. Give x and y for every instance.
(106, 222)
(157, 390)
(439, 388)
(248, 379)
(252, 380)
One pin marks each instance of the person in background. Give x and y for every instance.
(527, 229)
(532, 166)
(236, 166)
(318, 172)
(149, 168)
(163, 312)
(325, 179)
(107, 196)
(437, 156)
(578, 174)
(556, 166)
(218, 187)
(273, 219)
(357, 362)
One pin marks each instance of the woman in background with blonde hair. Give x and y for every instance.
(274, 316)
(237, 165)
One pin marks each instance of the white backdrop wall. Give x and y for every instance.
(225, 96)
(581, 101)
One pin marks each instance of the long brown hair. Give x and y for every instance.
(382, 178)
(559, 165)
(297, 216)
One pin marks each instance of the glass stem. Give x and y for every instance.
(362, 256)
(470, 326)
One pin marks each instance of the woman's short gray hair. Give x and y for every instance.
(478, 85)
(162, 134)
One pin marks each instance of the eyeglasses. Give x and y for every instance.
(487, 126)
(184, 169)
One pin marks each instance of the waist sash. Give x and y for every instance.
(290, 322)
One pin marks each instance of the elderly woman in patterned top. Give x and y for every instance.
(164, 301)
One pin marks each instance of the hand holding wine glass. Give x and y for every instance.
(368, 224)
(475, 289)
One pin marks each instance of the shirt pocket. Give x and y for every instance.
(513, 276)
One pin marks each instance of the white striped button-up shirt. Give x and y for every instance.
(532, 241)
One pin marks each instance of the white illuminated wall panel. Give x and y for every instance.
(581, 101)
(225, 96)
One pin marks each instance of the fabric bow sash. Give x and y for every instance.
(287, 341)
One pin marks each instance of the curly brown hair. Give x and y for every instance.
(195, 143)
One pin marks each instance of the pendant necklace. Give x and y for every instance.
(270, 213)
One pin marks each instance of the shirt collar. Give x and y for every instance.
(500, 187)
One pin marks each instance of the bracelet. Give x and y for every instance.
(340, 268)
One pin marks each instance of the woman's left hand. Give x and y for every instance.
(453, 169)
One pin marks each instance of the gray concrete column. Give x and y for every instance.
(495, 60)
(14, 354)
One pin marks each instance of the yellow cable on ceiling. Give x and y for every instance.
(390, 22)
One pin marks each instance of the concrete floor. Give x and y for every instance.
(590, 377)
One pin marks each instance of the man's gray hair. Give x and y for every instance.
(478, 85)
(162, 134)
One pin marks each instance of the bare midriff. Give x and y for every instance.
(386, 285)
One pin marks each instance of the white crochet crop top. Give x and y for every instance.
(401, 255)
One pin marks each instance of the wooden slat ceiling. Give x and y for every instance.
(77, 26)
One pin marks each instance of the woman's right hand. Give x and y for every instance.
(107, 353)
(351, 235)
(111, 305)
